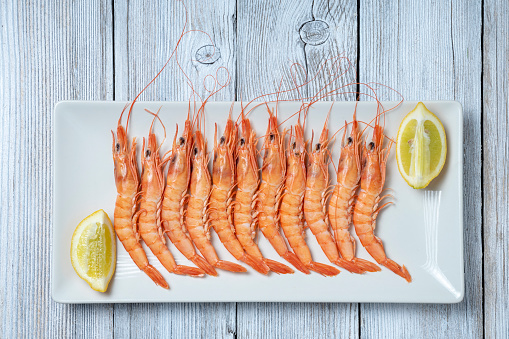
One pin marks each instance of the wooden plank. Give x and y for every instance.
(49, 52)
(145, 34)
(297, 320)
(266, 48)
(340, 21)
(495, 173)
(183, 320)
(268, 45)
(431, 50)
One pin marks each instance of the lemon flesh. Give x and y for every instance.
(93, 250)
(421, 147)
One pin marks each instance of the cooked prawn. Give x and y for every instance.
(269, 193)
(149, 222)
(247, 183)
(291, 208)
(317, 182)
(175, 194)
(221, 197)
(196, 217)
(342, 200)
(366, 208)
(127, 182)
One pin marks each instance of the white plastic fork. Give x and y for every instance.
(431, 217)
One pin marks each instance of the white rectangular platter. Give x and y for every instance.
(423, 231)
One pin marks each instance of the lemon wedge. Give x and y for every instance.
(421, 147)
(93, 250)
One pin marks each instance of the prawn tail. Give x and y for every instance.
(187, 270)
(323, 269)
(204, 265)
(399, 270)
(295, 261)
(366, 265)
(350, 266)
(230, 266)
(258, 265)
(277, 267)
(156, 277)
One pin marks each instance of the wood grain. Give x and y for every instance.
(269, 42)
(183, 320)
(495, 169)
(432, 51)
(341, 17)
(145, 34)
(297, 320)
(50, 52)
(144, 40)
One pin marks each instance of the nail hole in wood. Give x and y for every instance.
(314, 32)
(207, 54)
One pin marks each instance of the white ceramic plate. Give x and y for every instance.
(422, 230)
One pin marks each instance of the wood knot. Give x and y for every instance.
(314, 32)
(207, 54)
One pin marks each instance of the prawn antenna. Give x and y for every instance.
(161, 70)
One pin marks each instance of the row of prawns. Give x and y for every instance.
(302, 190)
(239, 197)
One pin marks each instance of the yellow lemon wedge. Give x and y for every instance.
(421, 147)
(93, 250)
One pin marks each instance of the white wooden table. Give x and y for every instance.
(108, 50)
